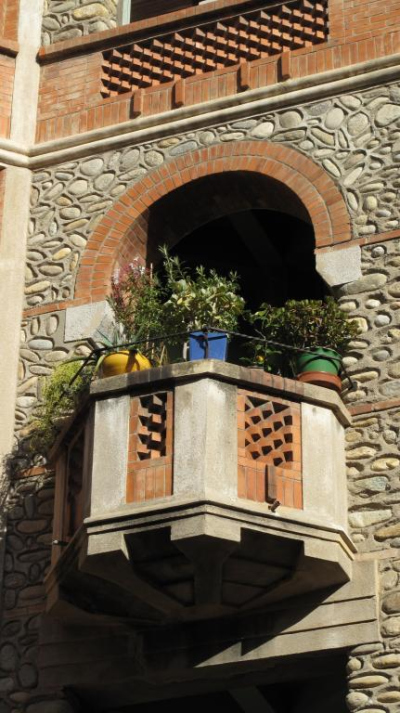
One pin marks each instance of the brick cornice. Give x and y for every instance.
(149, 28)
(368, 240)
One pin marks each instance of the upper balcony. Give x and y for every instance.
(181, 59)
(199, 490)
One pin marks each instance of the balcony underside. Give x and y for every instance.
(193, 562)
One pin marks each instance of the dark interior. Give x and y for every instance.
(272, 252)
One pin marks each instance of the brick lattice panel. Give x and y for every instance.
(269, 441)
(213, 46)
(150, 447)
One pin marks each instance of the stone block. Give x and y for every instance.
(324, 476)
(338, 267)
(110, 454)
(205, 442)
(88, 321)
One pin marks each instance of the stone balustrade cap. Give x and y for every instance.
(244, 377)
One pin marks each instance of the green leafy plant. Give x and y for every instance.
(313, 323)
(199, 299)
(61, 393)
(302, 324)
(136, 299)
(269, 325)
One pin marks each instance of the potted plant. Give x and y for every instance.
(137, 304)
(323, 331)
(316, 335)
(117, 356)
(269, 324)
(198, 301)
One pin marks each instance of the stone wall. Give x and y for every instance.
(29, 508)
(66, 19)
(373, 463)
(356, 139)
(374, 670)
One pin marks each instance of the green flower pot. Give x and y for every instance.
(320, 359)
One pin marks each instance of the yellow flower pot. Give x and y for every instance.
(123, 362)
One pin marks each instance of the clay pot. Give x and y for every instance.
(123, 362)
(321, 378)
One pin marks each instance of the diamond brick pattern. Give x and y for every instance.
(269, 431)
(216, 45)
(269, 439)
(150, 447)
(152, 426)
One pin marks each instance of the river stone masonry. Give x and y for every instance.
(69, 200)
(355, 138)
(374, 669)
(373, 469)
(67, 19)
(374, 302)
(373, 465)
(28, 548)
(42, 348)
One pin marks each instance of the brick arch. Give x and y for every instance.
(123, 230)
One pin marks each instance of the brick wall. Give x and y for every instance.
(70, 101)
(93, 88)
(9, 11)
(7, 69)
(370, 18)
(2, 17)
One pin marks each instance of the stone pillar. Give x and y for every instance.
(205, 441)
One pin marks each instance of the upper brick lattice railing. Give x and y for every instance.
(215, 45)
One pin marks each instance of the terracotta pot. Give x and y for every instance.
(123, 362)
(321, 378)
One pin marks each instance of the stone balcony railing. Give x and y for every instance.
(198, 490)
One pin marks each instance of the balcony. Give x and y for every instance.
(199, 490)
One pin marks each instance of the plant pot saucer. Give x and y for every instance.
(321, 378)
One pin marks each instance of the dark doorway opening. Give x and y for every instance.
(241, 221)
(272, 252)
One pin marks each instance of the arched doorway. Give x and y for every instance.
(293, 180)
(245, 222)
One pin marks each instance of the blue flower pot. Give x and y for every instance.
(214, 345)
